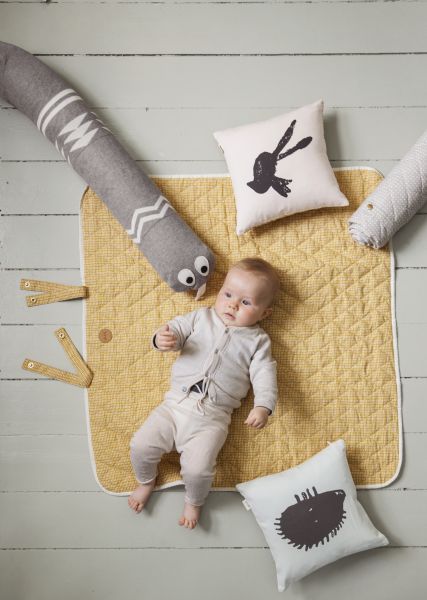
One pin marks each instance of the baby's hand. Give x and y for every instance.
(258, 417)
(165, 339)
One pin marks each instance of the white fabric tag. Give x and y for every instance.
(246, 505)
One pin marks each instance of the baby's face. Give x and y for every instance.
(243, 299)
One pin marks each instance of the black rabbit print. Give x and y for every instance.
(266, 163)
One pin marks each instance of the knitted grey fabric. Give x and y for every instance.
(395, 200)
(168, 243)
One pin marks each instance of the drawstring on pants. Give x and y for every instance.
(205, 390)
(210, 392)
(200, 407)
(200, 403)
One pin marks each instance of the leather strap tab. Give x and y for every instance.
(82, 378)
(53, 292)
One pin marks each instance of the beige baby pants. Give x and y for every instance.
(196, 428)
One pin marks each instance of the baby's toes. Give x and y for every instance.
(135, 505)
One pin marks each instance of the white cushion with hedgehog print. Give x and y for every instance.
(310, 514)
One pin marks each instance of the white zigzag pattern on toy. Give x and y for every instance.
(137, 219)
(142, 210)
(76, 128)
(78, 132)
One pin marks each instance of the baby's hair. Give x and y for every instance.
(261, 266)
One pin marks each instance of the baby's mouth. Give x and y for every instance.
(229, 315)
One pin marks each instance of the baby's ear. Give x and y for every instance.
(267, 313)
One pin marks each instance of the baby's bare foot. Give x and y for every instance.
(190, 515)
(138, 499)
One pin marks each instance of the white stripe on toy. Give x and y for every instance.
(56, 110)
(51, 103)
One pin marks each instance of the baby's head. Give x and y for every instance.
(247, 293)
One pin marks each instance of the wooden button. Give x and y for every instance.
(105, 335)
(370, 206)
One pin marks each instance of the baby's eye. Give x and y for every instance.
(228, 294)
(246, 302)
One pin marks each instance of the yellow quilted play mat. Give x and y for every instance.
(333, 335)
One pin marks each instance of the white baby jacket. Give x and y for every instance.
(227, 358)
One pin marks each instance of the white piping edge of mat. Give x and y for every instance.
(233, 489)
(397, 371)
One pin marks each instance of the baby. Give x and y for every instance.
(223, 351)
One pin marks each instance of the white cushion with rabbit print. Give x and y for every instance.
(280, 167)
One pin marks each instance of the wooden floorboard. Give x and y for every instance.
(348, 131)
(285, 28)
(148, 80)
(165, 76)
(384, 574)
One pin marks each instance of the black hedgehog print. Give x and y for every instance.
(265, 166)
(312, 519)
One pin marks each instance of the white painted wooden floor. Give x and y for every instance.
(164, 76)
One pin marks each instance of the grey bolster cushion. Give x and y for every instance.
(169, 244)
(394, 201)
